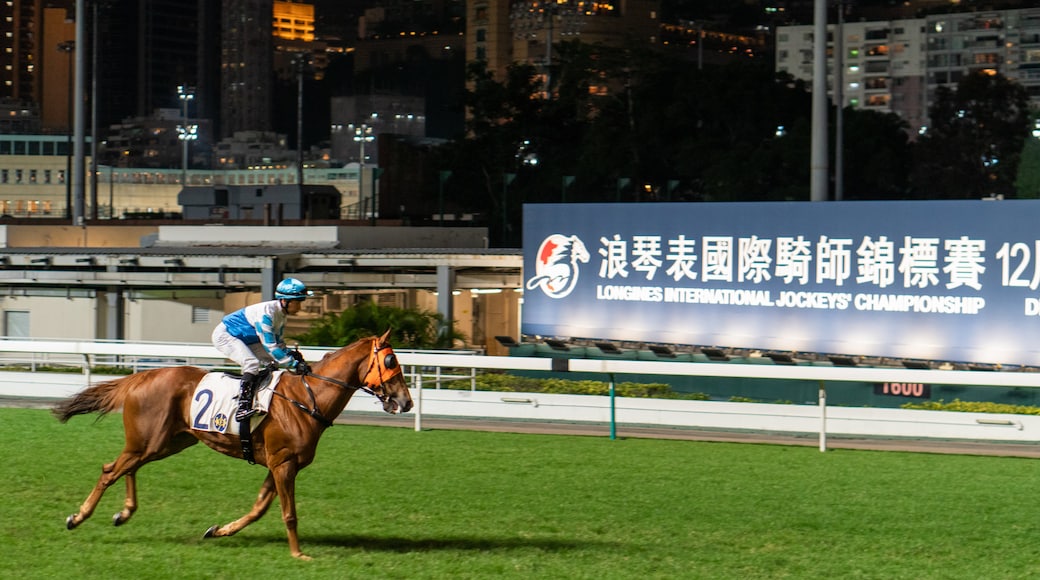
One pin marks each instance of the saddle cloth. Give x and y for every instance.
(215, 401)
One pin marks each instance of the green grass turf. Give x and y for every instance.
(386, 502)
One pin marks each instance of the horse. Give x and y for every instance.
(156, 407)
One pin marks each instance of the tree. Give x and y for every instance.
(877, 155)
(973, 145)
(410, 328)
(1027, 184)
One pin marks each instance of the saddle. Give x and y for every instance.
(215, 401)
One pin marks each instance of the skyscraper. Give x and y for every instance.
(33, 69)
(246, 66)
(146, 48)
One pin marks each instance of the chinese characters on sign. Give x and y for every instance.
(915, 262)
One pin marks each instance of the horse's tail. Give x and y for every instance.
(100, 398)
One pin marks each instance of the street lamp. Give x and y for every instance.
(186, 132)
(363, 134)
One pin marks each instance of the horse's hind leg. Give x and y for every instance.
(110, 473)
(130, 503)
(126, 465)
(263, 501)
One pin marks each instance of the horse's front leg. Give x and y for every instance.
(263, 501)
(285, 481)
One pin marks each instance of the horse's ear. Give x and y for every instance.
(385, 337)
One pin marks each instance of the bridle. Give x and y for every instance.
(380, 370)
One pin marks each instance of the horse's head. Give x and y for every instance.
(578, 251)
(385, 378)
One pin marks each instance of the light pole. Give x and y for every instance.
(507, 179)
(363, 134)
(818, 165)
(68, 47)
(93, 114)
(839, 100)
(186, 132)
(301, 63)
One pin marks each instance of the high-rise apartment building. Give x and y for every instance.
(897, 65)
(500, 32)
(20, 25)
(293, 20)
(35, 54)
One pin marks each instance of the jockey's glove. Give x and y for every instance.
(300, 367)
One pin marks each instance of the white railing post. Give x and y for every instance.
(823, 417)
(418, 403)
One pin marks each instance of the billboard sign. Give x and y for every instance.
(941, 280)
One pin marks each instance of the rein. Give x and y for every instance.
(340, 383)
(313, 409)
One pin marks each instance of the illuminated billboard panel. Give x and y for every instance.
(942, 280)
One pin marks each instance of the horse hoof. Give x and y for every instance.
(211, 532)
(117, 520)
(70, 522)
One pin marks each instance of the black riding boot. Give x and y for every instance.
(245, 397)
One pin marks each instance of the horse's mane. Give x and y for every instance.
(567, 249)
(335, 354)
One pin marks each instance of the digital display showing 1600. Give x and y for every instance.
(916, 390)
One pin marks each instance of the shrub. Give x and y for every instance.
(973, 407)
(517, 384)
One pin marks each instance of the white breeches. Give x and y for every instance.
(249, 356)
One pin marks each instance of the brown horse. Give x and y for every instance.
(156, 421)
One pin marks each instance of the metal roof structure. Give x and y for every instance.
(230, 267)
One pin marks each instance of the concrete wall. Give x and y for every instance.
(68, 236)
(126, 236)
(253, 236)
(322, 236)
(171, 321)
(54, 317)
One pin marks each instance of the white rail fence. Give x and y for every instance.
(426, 368)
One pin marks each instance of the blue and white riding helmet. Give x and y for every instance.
(291, 289)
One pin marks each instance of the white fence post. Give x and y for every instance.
(823, 416)
(418, 402)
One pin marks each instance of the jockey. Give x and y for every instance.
(254, 334)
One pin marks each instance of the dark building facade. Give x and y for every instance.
(146, 49)
(247, 65)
